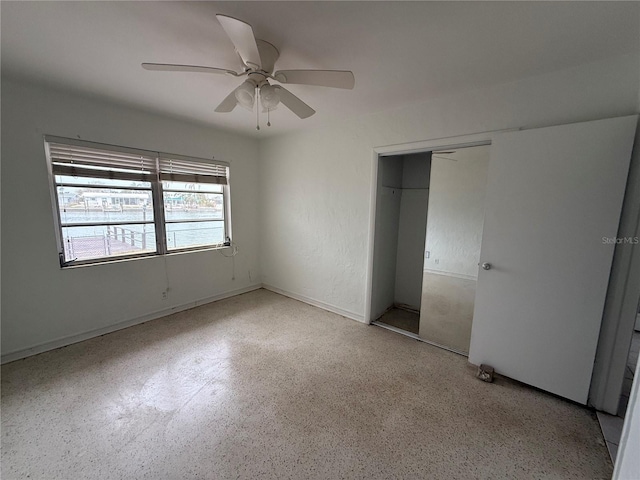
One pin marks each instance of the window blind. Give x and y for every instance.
(86, 159)
(77, 160)
(192, 171)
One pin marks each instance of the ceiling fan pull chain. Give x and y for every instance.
(268, 118)
(257, 109)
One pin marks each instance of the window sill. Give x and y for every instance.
(122, 259)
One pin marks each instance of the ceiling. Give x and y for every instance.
(400, 52)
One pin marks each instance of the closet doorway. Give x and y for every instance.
(429, 220)
(554, 198)
(401, 219)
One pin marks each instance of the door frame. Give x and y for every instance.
(623, 294)
(462, 141)
(624, 285)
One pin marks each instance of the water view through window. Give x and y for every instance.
(107, 218)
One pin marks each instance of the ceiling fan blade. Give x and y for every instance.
(170, 67)
(322, 78)
(293, 103)
(242, 37)
(228, 104)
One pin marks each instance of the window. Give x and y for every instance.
(112, 202)
(193, 198)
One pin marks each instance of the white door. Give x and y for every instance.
(554, 196)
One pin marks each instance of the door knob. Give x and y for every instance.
(486, 266)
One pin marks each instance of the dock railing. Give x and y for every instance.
(116, 241)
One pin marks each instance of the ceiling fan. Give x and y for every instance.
(258, 59)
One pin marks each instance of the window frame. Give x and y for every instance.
(222, 220)
(157, 202)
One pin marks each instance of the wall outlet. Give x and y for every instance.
(437, 261)
(165, 294)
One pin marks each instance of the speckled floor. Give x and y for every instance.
(403, 319)
(262, 386)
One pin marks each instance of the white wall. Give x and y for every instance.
(314, 197)
(456, 212)
(316, 185)
(411, 229)
(43, 303)
(389, 198)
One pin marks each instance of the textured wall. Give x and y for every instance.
(316, 185)
(43, 303)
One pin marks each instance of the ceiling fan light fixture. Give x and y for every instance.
(269, 96)
(258, 59)
(245, 94)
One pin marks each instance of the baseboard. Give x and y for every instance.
(69, 340)
(65, 341)
(316, 303)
